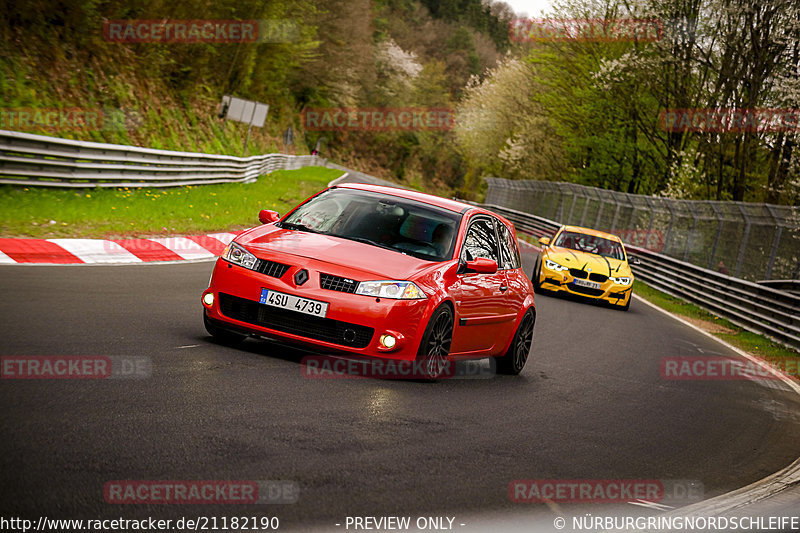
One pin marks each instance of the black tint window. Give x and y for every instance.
(481, 241)
(386, 221)
(508, 248)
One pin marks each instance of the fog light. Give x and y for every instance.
(208, 299)
(388, 341)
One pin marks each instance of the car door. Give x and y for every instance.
(515, 278)
(482, 315)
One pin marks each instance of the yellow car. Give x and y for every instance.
(587, 263)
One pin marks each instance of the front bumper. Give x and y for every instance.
(564, 281)
(353, 324)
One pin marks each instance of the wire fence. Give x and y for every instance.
(746, 240)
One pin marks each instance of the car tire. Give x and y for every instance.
(221, 335)
(435, 345)
(537, 274)
(628, 304)
(515, 358)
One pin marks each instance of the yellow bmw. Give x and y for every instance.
(585, 262)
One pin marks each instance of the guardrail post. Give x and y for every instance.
(569, 219)
(776, 240)
(561, 196)
(668, 236)
(600, 209)
(651, 205)
(745, 238)
(716, 236)
(585, 208)
(616, 214)
(690, 237)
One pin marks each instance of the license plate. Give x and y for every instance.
(293, 303)
(585, 283)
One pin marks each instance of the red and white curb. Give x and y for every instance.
(111, 251)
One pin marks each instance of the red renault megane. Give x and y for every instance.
(379, 272)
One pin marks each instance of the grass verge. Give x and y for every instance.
(121, 212)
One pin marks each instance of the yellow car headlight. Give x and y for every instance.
(621, 281)
(552, 265)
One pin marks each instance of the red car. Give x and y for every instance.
(379, 272)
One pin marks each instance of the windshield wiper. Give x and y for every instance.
(370, 241)
(299, 227)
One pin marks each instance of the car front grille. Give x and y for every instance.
(271, 268)
(578, 273)
(337, 283)
(586, 290)
(309, 326)
(582, 274)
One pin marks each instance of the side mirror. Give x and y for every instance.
(635, 261)
(482, 266)
(266, 216)
(544, 241)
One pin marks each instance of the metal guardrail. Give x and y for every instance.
(751, 240)
(39, 160)
(751, 306)
(786, 285)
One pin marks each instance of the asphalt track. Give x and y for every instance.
(590, 404)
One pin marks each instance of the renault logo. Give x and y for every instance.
(301, 276)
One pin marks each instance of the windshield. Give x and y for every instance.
(590, 244)
(398, 224)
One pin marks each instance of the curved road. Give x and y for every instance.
(590, 404)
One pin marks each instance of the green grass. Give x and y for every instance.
(112, 213)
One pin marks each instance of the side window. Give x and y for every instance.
(508, 248)
(481, 241)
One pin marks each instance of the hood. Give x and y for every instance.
(269, 241)
(583, 260)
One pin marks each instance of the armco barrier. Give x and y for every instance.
(750, 240)
(752, 306)
(39, 160)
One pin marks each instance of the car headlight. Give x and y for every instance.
(621, 281)
(552, 265)
(397, 290)
(239, 256)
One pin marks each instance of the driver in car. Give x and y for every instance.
(440, 239)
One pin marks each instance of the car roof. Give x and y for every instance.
(592, 232)
(445, 203)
